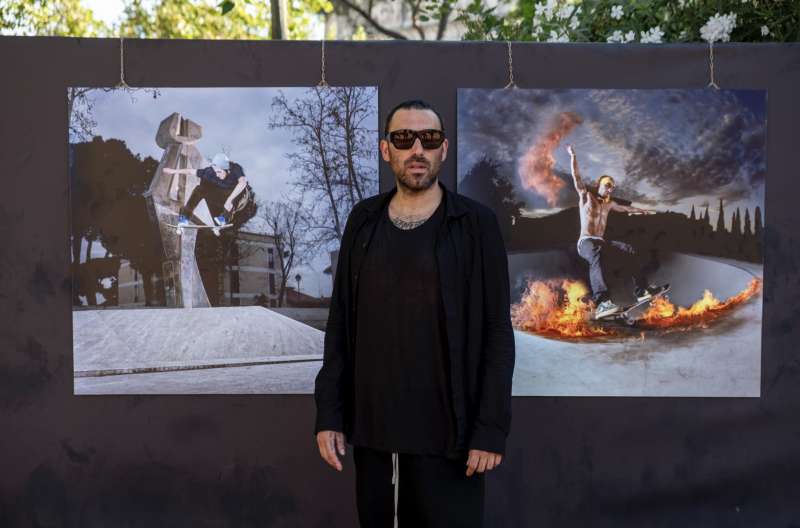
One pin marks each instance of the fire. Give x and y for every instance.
(663, 314)
(536, 165)
(556, 308)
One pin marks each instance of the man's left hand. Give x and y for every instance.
(481, 461)
(228, 206)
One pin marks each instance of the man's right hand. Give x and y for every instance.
(571, 150)
(328, 442)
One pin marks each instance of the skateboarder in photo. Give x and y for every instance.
(220, 184)
(594, 248)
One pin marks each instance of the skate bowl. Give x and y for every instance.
(688, 275)
(124, 341)
(721, 360)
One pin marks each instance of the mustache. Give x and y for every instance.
(417, 160)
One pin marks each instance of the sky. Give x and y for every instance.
(234, 120)
(106, 10)
(666, 149)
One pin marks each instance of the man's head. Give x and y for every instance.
(410, 127)
(605, 185)
(221, 165)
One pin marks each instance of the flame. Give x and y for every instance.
(664, 314)
(556, 308)
(536, 165)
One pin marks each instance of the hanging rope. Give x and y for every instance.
(322, 81)
(122, 83)
(712, 82)
(511, 83)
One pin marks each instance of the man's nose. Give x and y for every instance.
(416, 147)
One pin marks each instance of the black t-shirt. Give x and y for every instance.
(402, 385)
(229, 182)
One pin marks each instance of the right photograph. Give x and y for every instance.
(633, 221)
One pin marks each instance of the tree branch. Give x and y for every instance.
(374, 23)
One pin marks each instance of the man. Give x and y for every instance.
(220, 184)
(594, 209)
(419, 348)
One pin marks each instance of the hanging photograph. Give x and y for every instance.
(633, 221)
(204, 234)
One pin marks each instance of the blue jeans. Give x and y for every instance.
(596, 252)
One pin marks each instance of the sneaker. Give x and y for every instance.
(220, 220)
(183, 220)
(605, 308)
(644, 294)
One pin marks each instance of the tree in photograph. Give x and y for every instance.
(285, 220)
(352, 140)
(107, 182)
(331, 159)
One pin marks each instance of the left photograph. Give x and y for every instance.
(204, 232)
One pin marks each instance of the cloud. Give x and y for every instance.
(663, 147)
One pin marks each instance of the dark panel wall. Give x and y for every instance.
(251, 461)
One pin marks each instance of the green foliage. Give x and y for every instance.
(631, 20)
(191, 19)
(49, 17)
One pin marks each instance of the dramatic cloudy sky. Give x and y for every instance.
(666, 149)
(234, 120)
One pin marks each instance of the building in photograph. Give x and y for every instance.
(256, 279)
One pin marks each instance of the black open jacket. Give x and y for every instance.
(473, 274)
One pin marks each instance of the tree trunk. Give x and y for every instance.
(280, 20)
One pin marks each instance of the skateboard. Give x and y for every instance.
(216, 228)
(624, 314)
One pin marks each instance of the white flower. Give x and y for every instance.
(616, 12)
(764, 31)
(564, 12)
(718, 27)
(574, 23)
(555, 37)
(546, 9)
(652, 36)
(618, 36)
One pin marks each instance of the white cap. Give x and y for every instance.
(221, 161)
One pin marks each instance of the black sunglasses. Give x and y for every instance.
(404, 139)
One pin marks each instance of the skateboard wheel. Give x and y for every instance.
(179, 231)
(630, 321)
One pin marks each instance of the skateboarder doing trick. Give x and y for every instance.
(220, 184)
(593, 247)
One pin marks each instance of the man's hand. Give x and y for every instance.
(481, 461)
(328, 441)
(571, 150)
(228, 206)
(167, 170)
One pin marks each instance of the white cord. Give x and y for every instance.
(395, 481)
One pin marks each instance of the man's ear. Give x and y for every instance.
(384, 146)
(444, 149)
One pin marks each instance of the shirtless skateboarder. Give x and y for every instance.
(594, 209)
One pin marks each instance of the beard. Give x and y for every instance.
(417, 181)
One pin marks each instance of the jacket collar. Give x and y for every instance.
(453, 205)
